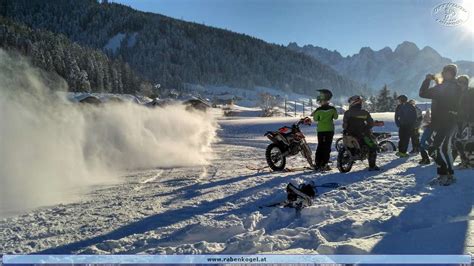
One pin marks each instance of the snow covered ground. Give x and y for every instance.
(214, 208)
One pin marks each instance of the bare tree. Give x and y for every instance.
(267, 103)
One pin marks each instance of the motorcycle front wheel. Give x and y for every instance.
(339, 144)
(275, 158)
(344, 160)
(306, 151)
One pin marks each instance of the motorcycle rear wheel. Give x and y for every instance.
(386, 146)
(275, 158)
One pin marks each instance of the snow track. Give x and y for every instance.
(214, 209)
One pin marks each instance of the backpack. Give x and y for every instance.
(300, 197)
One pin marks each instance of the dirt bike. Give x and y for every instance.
(287, 142)
(383, 142)
(351, 150)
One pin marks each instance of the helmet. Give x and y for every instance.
(307, 121)
(354, 100)
(403, 98)
(463, 80)
(324, 95)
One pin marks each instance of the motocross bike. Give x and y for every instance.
(383, 142)
(351, 150)
(287, 142)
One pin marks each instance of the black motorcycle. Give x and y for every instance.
(287, 142)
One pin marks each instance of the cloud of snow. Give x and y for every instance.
(50, 148)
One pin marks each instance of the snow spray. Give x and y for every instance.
(50, 146)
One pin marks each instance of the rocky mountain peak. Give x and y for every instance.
(407, 49)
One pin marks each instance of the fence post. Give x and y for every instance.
(295, 108)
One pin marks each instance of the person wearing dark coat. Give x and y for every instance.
(405, 118)
(444, 116)
(358, 123)
(415, 136)
(465, 121)
(425, 138)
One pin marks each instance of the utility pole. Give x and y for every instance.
(285, 108)
(303, 108)
(311, 104)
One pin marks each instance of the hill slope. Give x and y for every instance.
(173, 52)
(84, 69)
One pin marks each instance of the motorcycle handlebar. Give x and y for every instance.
(378, 123)
(304, 120)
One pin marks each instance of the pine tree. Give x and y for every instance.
(371, 104)
(384, 101)
(394, 100)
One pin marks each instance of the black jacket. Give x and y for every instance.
(357, 122)
(466, 108)
(405, 115)
(419, 117)
(446, 98)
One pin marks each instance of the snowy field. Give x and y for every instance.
(215, 208)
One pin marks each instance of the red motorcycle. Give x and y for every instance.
(287, 142)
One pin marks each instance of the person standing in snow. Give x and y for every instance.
(466, 120)
(415, 137)
(405, 118)
(444, 116)
(358, 123)
(324, 116)
(425, 137)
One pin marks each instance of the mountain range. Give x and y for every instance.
(401, 69)
(109, 47)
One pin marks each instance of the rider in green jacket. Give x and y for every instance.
(324, 116)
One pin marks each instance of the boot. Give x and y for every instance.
(449, 180)
(317, 168)
(325, 168)
(443, 180)
(424, 161)
(374, 168)
(438, 180)
(402, 154)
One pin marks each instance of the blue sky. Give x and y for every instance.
(340, 25)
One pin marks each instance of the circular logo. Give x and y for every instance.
(450, 14)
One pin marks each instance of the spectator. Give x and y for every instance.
(425, 138)
(405, 118)
(445, 105)
(415, 137)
